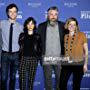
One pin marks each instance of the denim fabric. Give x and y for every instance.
(9, 66)
(0, 45)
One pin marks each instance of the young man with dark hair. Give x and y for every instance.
(10, 48)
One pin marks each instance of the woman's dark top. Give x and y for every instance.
(30, 45)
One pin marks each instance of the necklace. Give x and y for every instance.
(71, 44)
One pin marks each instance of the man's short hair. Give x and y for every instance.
(10, 6)
(52, 8)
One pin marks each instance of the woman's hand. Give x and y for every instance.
(85, 68)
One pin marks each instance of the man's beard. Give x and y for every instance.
(52, 22)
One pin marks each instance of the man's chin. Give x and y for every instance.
(13, 18)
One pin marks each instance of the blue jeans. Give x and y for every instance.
(9, 66)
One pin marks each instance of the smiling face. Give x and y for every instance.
(30, 26)
(72, 26)
(12, 13)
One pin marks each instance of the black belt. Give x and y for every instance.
(10, 52)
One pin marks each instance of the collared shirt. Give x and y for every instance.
(17, 29)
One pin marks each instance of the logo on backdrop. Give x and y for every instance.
(71, 4)
(19, 16)
(87, 34)
(2, 4)
(85, 15)
(35, 5)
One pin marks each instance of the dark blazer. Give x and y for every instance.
(42, 31)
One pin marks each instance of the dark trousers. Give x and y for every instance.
(48, 76)
(27, 72)
(9, 66)
(66, 71)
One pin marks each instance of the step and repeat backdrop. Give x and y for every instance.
(79, 9)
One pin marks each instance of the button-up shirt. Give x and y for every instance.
(17, 29)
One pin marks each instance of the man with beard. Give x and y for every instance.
(52, 36)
